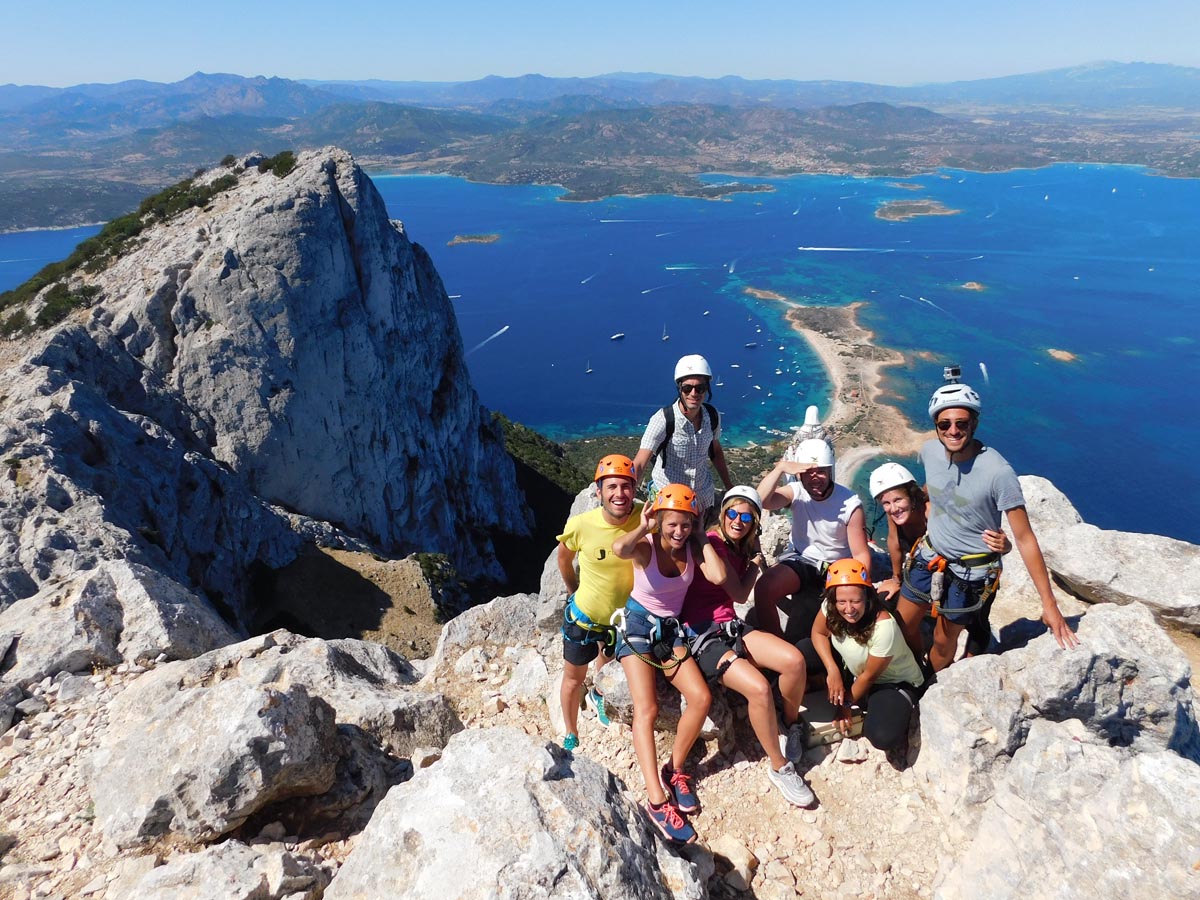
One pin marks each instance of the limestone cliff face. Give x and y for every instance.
(320, 353)
(283, 355)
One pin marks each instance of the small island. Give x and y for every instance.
(973, 286)
(903, 210)
(473, 239)
(1062, 355)
(762, 294)
(904, 185)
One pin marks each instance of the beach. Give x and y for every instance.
(862, 426)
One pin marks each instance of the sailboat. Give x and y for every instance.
(665, 337)
(588, 370)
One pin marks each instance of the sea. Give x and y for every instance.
(1101, 262)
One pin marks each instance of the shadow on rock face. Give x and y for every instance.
(333, 594)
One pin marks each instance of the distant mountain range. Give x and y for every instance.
(89, 152)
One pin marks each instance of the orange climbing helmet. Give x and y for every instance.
(678, 497)
(615, 464)
(847, 571)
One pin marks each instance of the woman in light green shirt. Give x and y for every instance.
(872, 654)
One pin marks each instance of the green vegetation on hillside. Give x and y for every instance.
(543, 456)
(96, 253)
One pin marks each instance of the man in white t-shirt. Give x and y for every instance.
(827, 525)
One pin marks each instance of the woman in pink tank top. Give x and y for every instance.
(666, 549)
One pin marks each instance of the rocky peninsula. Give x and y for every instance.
(156, 743)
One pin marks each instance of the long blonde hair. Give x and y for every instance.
(742, 546)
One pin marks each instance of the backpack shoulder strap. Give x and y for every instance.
(714, 422)
(668, 412)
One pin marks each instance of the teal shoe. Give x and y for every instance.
(570, 742)
(595, 702)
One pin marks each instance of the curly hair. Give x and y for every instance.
(865, 627)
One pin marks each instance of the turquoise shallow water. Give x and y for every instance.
(1098, 261)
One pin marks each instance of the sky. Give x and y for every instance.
(64, 42)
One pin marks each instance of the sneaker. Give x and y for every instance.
(679, 787)
(570, 742)
(595, 702)
(793, 749)
(791, 785)
(670, 824)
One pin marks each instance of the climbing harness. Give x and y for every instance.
(730, 633)
(605, 635)
(941, 570)
(661, 637)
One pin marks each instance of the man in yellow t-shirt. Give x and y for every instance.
(600, 588)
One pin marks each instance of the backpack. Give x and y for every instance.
(668, 411)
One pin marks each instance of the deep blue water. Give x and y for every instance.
(1097, 260)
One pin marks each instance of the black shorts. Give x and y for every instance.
(715, 648)
(809, 574)
(582, 645)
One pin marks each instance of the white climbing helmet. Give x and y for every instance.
(889, 475)
(691, 366)
(954, 396)
(742, 492)
(815, 452)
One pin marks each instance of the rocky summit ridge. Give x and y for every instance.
(280, 363)
(281, 367)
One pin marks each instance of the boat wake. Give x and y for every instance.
(487, 340)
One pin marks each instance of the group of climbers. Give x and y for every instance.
(657, 592)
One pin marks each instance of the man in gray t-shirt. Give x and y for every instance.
(969, 485)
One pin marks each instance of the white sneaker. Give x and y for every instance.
(791, 785)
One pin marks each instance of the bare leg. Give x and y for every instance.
(945, 643)
(743, 677)
(776, 583)
(640, 676)
(601, 662)
(689, 681)
(911, 616)
(569, 694)
(769, 652)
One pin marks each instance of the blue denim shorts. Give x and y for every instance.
(961, 593)
(649, 635)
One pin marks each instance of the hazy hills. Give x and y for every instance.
(87, 153)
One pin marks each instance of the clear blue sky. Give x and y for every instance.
(64, 42)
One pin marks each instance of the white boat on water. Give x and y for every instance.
(588, 370)
(618, 336)
(751, 345)
(665, 337)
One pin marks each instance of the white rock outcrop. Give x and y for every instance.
(279, 359)
(543, 824)
(1039, 757)
(1102, 566)
(315, 346)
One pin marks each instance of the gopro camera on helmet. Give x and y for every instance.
(952, 374)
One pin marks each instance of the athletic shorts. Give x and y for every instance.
(582, 645)
(810, 574)
(716, 647)
(648, 635)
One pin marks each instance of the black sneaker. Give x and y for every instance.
(670, 824)
(680, 788)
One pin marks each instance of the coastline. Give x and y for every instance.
(863, 427)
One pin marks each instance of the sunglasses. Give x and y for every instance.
(692, 388)
(732, 514)
(959, 424)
